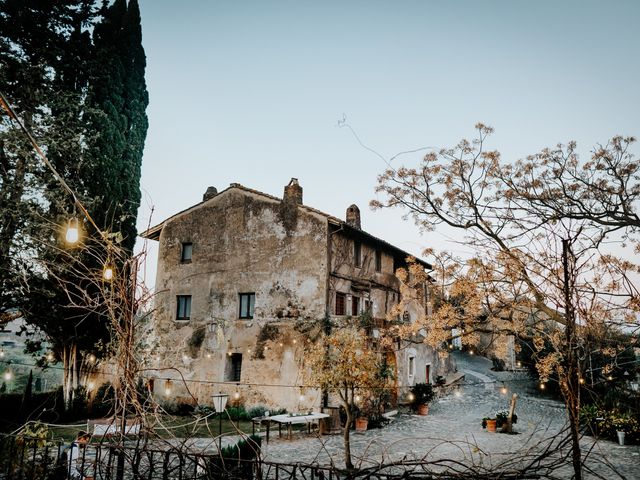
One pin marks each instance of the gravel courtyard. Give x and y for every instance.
(452, 430)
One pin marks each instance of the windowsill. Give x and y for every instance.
(245, 318)
(182, 262)
(182, 320)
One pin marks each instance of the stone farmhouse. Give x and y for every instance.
(246, 279)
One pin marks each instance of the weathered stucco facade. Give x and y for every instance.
(246, 279)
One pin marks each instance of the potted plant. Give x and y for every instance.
(501, 418)
(623, 423)
(422, 394)
(491, 424)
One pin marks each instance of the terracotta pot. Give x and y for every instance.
(491, 425)
(423, 409)
(361, 424)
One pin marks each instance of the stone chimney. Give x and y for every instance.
(293, 193)
(210, 193)
(353, 217)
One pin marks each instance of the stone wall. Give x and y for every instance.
(242, 242)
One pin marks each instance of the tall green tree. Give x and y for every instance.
(90, 118)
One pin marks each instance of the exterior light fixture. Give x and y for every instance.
(295, 341)
(8, 375)
(91, 358)
(519, 364)
(1, 353)
(411, 397)
(220, 403)
(236, 395)
(167, 392)
(49, 357)
(301, 398)
(208, 355)
(357, 398)
(503, 390)
(609, 378)
(470, 352)
(542, 386)
(581, 380)
(72, 234)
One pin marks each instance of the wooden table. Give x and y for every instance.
(288, 420)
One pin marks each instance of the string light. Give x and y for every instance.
(72, 234)
(107, 273)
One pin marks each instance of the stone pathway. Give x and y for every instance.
(453, 430)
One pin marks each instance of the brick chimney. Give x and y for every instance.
(353, 216)
(293, 193)
(210, 193)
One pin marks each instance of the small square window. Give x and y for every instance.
(378, 261)
(183, 311)
(187, 251)
(247, 303)
(340, 303)
(355, 306)
(357, 254)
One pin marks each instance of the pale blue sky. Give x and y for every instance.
(252, 92)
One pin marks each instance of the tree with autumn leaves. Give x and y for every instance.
(549, 235)
(343, 363)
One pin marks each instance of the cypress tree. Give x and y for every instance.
(76, 75)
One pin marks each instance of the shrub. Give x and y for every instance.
(422, 394)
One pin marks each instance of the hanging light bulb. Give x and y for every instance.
(8, 375)
(411, 397)
(581, 380)
(50, 357)
(301, 398)
(236, 395)
(72, 234)
(107, 273)
(357, 398)
(503, 390)
(457, 393)
(542, 386)
(90, 386)
(295, 341)
(1, 353)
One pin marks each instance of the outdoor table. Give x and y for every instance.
(264, 420)
(289, 420)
